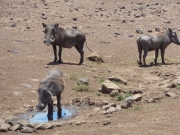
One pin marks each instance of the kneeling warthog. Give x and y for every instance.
(52, 85)
(156, 42)
(64, 38)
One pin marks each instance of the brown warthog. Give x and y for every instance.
(64, 38)
(52, 85)
(156, 42)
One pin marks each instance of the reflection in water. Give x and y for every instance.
(42, 117)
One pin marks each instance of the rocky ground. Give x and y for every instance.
(139, 100)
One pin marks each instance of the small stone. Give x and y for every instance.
(82, 81)
(106, 122)
(126, 104)
(118, 108)
(157, 29)
(130, 35)
(74, 27)
(111, 109)
(26, 85)
(139, 31)
(43, 16)
(152, 100)
(149, 30)
(16, 127)
(74, 19)
(4, 127)
(13, 25)
(95, 56)
(46, 66)
(170, 94)
(79, 123)
(116, 33)
(114, 93)
(136, 97)
(28, 130)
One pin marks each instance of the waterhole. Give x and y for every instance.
(41, 117)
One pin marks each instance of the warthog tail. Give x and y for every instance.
(88, 47)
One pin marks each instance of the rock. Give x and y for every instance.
(116, 33)
(79, 123)
(4, 127)
(170, 94)
(111, 109)
(118, 79)
(16, 127)
(118, 108)
(106, 122)
(28, 130)
(136, 97)
(130, 35)
(157, 29)
(126, 103)
(108, 86)
(149, 30)
(139, 31)
(74, 27)
(151, 100)
(95, 56)
(43, 16)
(46, 66)
(114, 93)
(26, 85)
(178, 2)
(13, 25)
(74, 19)
(82, 81)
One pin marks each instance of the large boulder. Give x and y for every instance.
(108, 86)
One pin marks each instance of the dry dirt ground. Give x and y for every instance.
(107, 25)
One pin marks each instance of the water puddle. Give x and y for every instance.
(41, 117)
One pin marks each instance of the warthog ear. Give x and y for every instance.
(56, 25)
(44, 25)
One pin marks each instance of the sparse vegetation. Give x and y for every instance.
(121, 97)
(98, 93)
(177, 87)
(81, 88)
(137, 108)
(101, 80)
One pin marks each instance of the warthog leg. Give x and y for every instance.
(50, 110)
(60, 52)
(55, 52)
(162, 55)
(144, 57)
(156, 56)
(59, 105)
(80, 50)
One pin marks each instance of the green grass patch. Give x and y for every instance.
(121, 97)
(101, 80)
(98, 93)
(81, 88)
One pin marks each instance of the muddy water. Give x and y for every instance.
(41, 117)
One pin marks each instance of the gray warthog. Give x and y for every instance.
(156, 42)
(64, 38)
(52, 85)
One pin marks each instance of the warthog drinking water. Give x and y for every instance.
(156, 42)
(52, 85)
(64, 38)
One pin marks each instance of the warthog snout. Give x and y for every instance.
(40, 106)
(49, 42)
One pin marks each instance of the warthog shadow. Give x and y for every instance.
(159, 64)
(57, 63)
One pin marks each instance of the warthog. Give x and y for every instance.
(155, 42)
(52, 85)
(64, 38)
